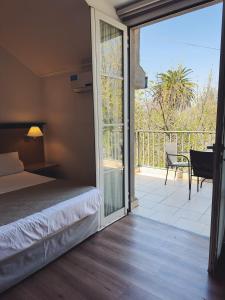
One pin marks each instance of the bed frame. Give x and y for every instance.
(25, 263)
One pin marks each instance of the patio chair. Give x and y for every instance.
(201, 165)
(172, 162)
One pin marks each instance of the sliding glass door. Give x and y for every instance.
(110, 55)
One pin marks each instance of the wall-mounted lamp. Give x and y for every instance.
(34, 132)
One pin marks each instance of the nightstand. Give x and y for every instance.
(42, 168)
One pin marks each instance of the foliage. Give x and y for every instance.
(174, 102)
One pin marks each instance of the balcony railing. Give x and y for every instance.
(150, 145)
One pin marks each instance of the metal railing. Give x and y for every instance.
(150, 145)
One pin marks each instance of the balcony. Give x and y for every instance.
(150, 145)
(169, 204)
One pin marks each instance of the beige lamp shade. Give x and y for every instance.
(34, 132)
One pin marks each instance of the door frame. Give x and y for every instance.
(216, 191)
(96, 16)
(218, 157)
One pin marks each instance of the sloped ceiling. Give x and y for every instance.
(47, 36)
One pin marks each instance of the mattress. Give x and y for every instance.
(41, 210)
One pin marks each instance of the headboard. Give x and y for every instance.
(13, 139)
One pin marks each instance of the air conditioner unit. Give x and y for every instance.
(82, 82)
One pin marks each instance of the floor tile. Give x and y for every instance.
(164, 209)
(197, 204)
(145, 188)
(139, 194)
(205, 219)
(206, 230)
(188, 214)
(163, 218)
(209, 211)
(142, 211)
(190, 225)
(169, 203)
(163, 190)
(153, 197)
(176, 199)
(148, 203)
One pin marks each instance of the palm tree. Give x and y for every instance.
(176, 87)
(173, 92)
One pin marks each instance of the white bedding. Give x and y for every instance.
(21, 180)
(21, 234)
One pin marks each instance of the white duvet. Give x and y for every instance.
(21, 180)
(21, 234)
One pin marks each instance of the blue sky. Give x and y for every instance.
(192, 40)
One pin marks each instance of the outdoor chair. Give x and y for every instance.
(172, 161)
(201, 166)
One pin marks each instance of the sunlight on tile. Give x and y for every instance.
(169, 203)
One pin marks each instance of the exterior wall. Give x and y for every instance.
(139, 73)
(137, 81)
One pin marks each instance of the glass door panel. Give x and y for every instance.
(113, 169)
(111, 118)
(111, 49)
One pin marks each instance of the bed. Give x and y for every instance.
(40, 219)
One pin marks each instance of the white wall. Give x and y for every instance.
(20, 91)
(69, 133)
(69, 139)
(47, 36)
(103, 6)
(70, 129)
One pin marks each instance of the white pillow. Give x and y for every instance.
(10, 164)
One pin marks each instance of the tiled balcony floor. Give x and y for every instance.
(170, 205)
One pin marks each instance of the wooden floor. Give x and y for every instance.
(135, 258)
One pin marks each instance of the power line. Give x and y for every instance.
(191, 44)
(199, 46)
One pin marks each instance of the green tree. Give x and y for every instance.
(172, 93)
(174, 103)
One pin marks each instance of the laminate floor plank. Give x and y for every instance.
(134, 258)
